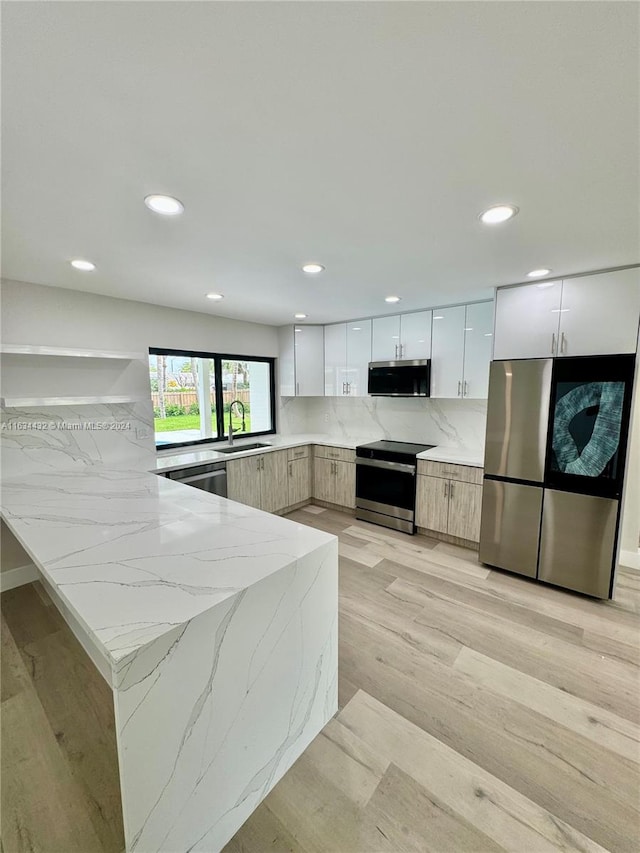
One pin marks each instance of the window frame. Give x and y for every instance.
(218, 358)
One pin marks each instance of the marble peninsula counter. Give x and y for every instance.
(214, 623)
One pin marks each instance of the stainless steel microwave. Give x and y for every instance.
(400, 378)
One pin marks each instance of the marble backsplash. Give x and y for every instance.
(119, 435)
(451, 423)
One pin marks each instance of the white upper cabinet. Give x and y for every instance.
(528, 320)
(300, 366)
(335, 360)
(358, 357)
(347, 353)
(402, 336)
(415, 335)
(599, 314)
(478, 338)
(587, 315)
(309, 360)
(386, 338)
(447, 351)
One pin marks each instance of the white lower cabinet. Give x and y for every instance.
(260, 481)
(450, 506)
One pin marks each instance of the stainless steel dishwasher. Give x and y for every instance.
(211, 477)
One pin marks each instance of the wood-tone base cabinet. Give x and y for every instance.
(261, 481)
(299, 480)
(334, 482)
(449, 506)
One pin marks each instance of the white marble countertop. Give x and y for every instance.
(455, 456)
(134, 555)
(173, 460)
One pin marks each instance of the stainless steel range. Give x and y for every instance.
(386, 483)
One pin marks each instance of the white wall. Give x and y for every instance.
(630, 529)
(38, 315)
(53, 316)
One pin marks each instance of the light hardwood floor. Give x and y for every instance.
(478, 711)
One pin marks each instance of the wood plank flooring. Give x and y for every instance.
(478, 712)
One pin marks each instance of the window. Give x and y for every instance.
(192, 393)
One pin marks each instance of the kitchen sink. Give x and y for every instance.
(241, 447)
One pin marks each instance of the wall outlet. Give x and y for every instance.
(326, 417)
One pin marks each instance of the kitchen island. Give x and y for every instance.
(215, 625)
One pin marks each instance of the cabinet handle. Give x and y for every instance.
(553, 343)
(297, 388)
(446, 489)
(563, 343)
(459, 387)
(396, 350)
(291, 469)
(465, 390)
(401, 350)
(450, 490)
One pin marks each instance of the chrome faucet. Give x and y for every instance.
(242, 428)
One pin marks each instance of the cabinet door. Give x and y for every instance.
(527, 321)
(323, 480)
(447, 352)
(243, 480)
(345, 484)
(465, 506)
(432, 503)
(386, 338)
(358, 357)
(478, 337)
(335, 360)
(299, 480)
(309, 350)
(600, 313)
(286, 362)
(275, 481)
(415, 335)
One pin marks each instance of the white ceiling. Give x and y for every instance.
(366, 136)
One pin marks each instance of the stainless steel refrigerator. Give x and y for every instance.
(554, 467)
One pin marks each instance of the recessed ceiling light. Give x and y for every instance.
(392, 299)
(312, 268)
(538, 273)
(498, 213)
(164, 204)
(300, 316)
(438, 317)
(85, 266)
(215, 296)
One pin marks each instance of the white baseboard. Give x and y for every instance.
(630, 559)
(18, 577)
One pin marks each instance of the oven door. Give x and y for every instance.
(386, 487)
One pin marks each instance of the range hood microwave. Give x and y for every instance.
(400, 378)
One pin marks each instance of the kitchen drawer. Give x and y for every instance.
(447, 471)
(297, 453)
(322, 451)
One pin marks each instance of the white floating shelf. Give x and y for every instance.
(34, 402)
(28, 349)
